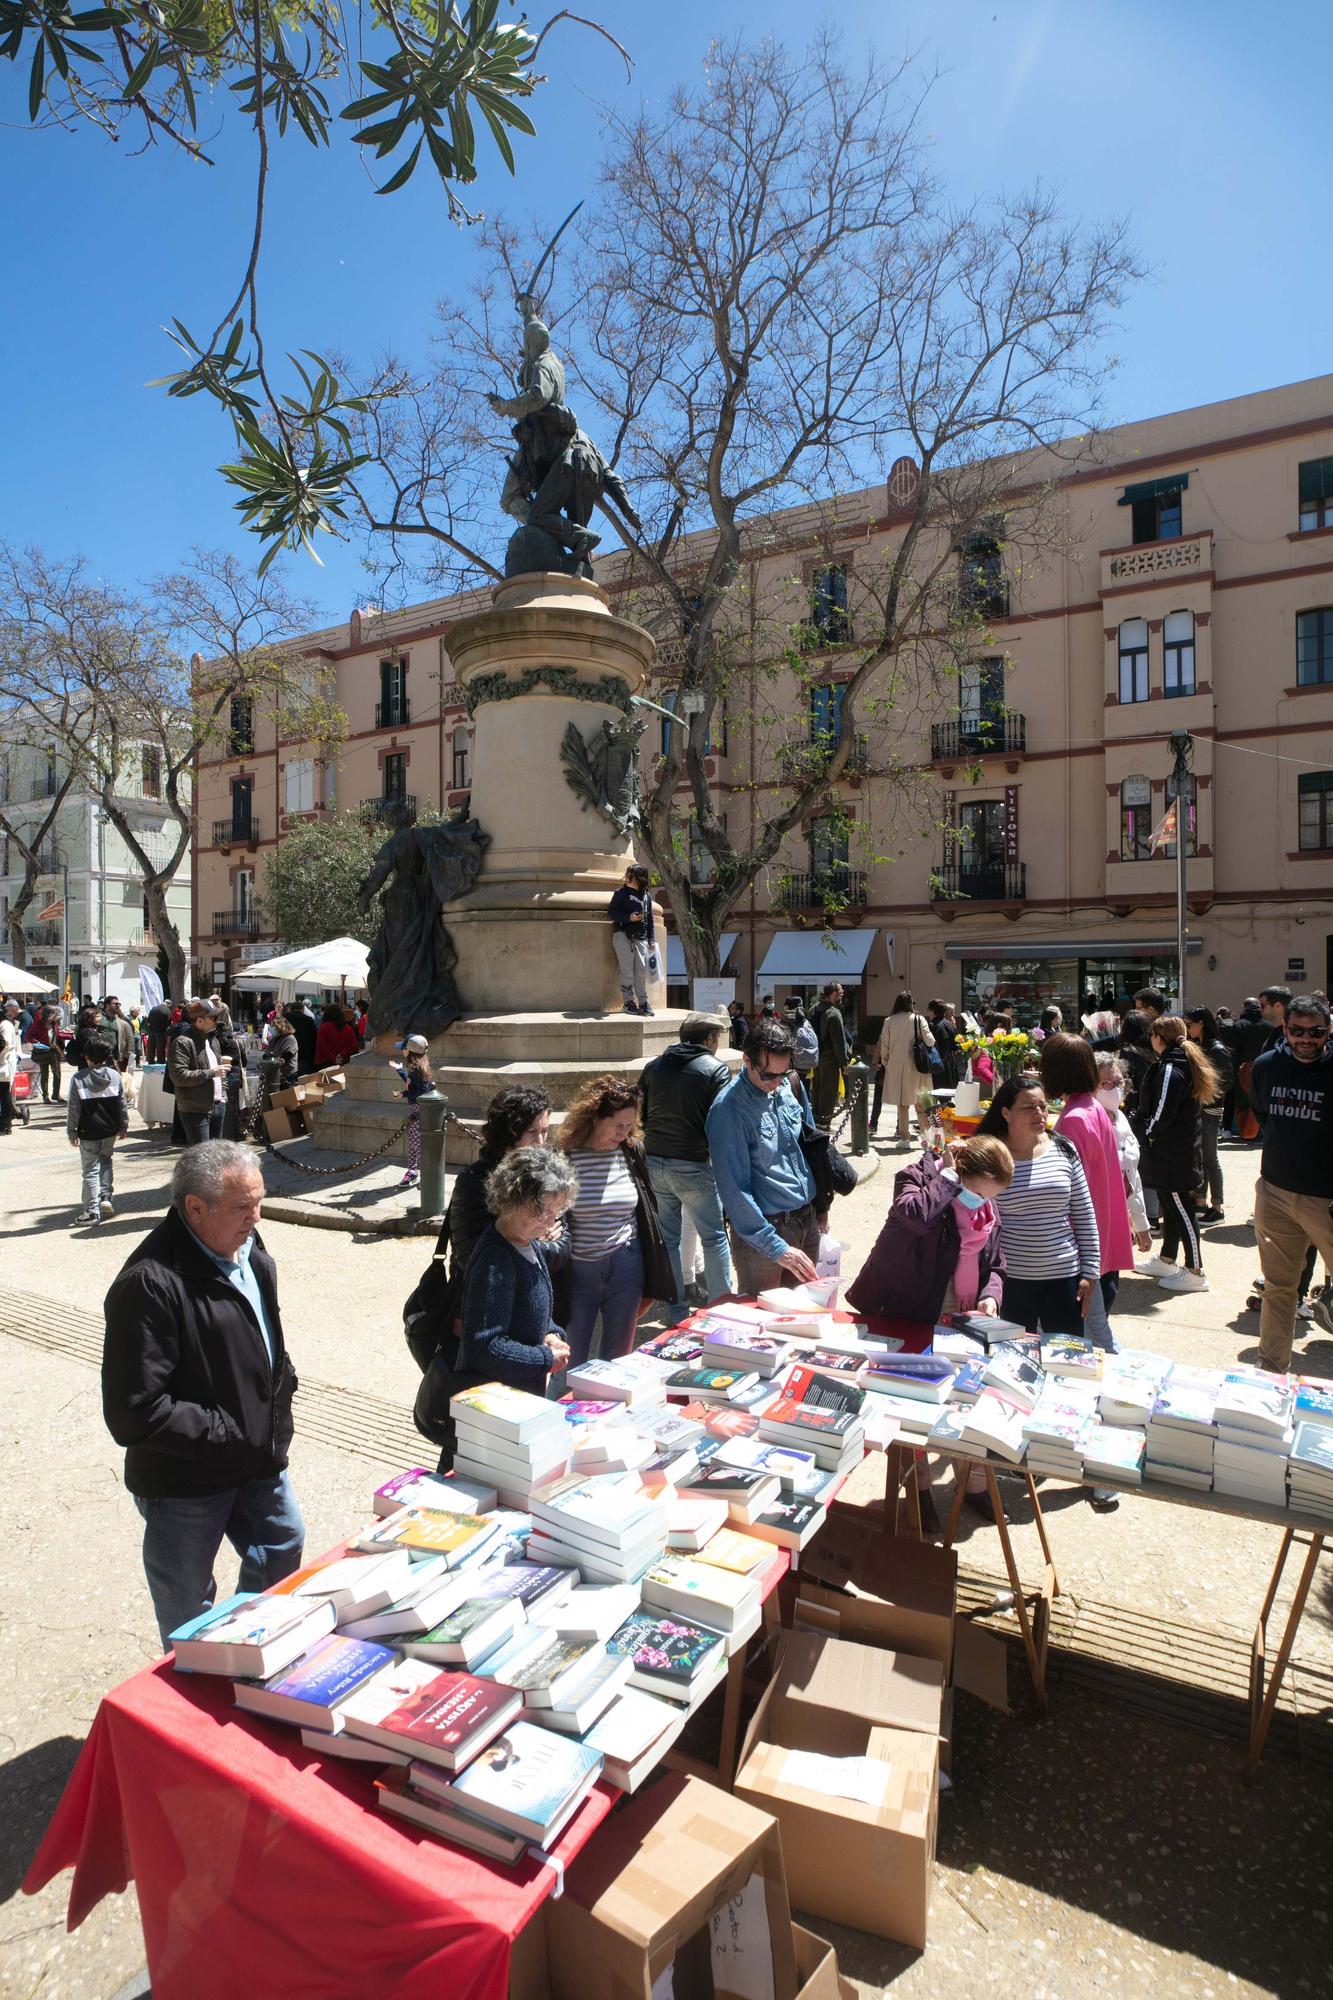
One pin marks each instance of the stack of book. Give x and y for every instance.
(840, 1364)
(565, 1681)
(1254, 1435)
(1314, 1401)
(635, 1379)
(722, 1600)
(515, 1440)
(746, 1492)
(446, 1540)
(1056, 1429)
(1011, 1369)
(1311, 1470)
(611, 1448)
(1182, 1431)
(711, 1385)
(1073, 1356)
(727, 1345)
(920, 1378)
(419, 1488)
(948, 1433)
(633, 1735)
(524, 1788)
(466, 1635)
(250, 1637)
(671, 1656)
(308, 1692)
(692, 1518)
(994, 1423)
(818, 1415)
(1113, 1454)
(610, 1529)
(1129, 1387)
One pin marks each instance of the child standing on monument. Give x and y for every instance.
(418, 1081)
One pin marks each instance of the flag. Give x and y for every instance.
(68, 993)
(1164, 833)
(150, 988)
(52, 911)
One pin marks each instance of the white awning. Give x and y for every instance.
(811, 957)
(676, 973)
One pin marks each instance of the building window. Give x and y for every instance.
(299, 785)
(52, 781)
(243, 896)
(1191, 815)
(1156, 508)
(461, 744)
(828, 604)
(1134, 660)
(826, 715)
(1316, 494)
(981, 834)
(150, 771)
(716, 743)
(981, 700)
(395, 776)
(829, 853)
(241, 729)
(1135, 819)
(393, 694)
(981, 585)
(1178, 653)
(1316, 811)
(242, 806)
(1314, 647)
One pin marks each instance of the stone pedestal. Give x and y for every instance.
(533, 933)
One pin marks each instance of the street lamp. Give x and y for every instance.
(1182, 747)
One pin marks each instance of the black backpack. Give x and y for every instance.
(99, 1117)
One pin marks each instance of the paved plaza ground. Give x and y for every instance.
(1109, 1847)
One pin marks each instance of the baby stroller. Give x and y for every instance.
(20, 1089)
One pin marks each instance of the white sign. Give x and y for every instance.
(713, 996)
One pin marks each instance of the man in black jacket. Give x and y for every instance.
(197, 1385)
(1291, 1089)
(305, 1031)
(676, 1093)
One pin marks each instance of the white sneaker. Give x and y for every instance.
(1184, 1281)
(1156, 1267)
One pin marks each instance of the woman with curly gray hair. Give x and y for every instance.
(506, 1330)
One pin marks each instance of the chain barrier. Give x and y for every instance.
(838, 1125)
(252, 1127)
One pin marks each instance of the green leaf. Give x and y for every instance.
(36, 80)
(404, 173)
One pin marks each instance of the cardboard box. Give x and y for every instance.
(297, 1095)
(817, 1969)
(528, 1979)
(283, 1124)
(864, 1855)
(645, 1893)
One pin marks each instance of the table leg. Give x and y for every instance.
(1036, 1658)
(960, 1471)
(1041, 1532)
(1261, 1722)
(731, 1720)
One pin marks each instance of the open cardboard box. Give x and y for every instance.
(280, 1123)
(858, 1826)
(683, 1878)
(817, 1968)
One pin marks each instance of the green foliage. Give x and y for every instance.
(311, 880)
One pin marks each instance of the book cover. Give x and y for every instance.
(1014, 1373)
(721, 1481)
(245, 1620)
(676, 1347)
(780, 1461)
(530, 1583)
(455, 1626)
(387, 1690)
(582, 1414)
(1314, 1401)
(1070, 1354)
(730, 1550)
(710, 1589)
(613, 1504)
(725, 1383)
(514, 1410)
(545, 1668)
(670, 1648)
(795, 1413)
(447, 1713)
(631, 1725)
(329, 1672)
(1312, 1449)
(527, 1774)
(436, 1532)
(815, 1391)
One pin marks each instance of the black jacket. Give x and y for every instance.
(676, 1091)
(1168, 1125)
(305, 1028)
(186, 1382)
(1294, 1101)
(1219, 1055)
(946, 1041)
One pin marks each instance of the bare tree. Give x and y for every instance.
(772, 300)
(113, 678)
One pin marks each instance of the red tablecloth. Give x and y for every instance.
(262, 1869)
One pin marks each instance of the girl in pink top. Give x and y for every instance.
(1069, 1070)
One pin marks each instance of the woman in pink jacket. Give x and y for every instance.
(1069, 1070)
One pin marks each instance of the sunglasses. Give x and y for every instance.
(768, 1077)
(1306, 1034)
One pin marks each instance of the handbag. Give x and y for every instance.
(831, 1171)
(659, 1280)
(923, 1055)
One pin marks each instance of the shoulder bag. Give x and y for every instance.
(923, 1055)
(658, 1278)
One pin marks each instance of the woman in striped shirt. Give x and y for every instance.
(1048, 1231)
(606, 1261)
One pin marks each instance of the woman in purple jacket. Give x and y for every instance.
(939, 1249)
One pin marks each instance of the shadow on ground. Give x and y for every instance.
(30, 1785)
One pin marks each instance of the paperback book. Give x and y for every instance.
(248, 1636)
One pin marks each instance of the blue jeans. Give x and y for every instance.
(689, 1185)
(612, 1286)
(96, 1157)
(200, 1126)
(181, 1538)
(1097, 1325)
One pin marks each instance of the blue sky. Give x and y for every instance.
(1206, 126)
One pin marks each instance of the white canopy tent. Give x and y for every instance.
(13, 979)
(342, 962)
(809, 958)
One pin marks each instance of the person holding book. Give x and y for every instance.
(615, 1232)
(630, 913)
(755, 1128)
(939, 1250)
(506, 1331)
(1048, 1229)
(1169, 1127)
(1069, 1071)
(197, 1385)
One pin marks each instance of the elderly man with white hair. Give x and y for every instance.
(197, 1385)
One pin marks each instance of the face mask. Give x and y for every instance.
(970, 1200)
(1110, 1097)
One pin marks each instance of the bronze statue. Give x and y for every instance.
(412, 961)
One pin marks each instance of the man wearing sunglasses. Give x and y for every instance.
(1291, 1089)
(754, 1140)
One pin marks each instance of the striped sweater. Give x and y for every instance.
(1047, 1226)
(603, 1216)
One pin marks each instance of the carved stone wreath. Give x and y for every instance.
(608, 689)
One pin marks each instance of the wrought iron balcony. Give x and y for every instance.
(802, 761)
(978, 736)
(983, 881)
(394, 713)
(42, 934)
(807, 891)
(235, 923)
(399, 810)
(236, 832)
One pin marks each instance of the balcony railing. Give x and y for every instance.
(801, 761)
(392, 714)
(234, 923)
(143, 939)
(42, 934)
(236, 832)
(399, 810)
(984, 881)
(806, 891)
(978, 736)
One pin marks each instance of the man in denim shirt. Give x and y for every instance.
(754, 1139)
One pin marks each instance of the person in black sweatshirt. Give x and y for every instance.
(1291, 1089)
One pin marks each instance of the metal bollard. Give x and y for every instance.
(856, 1081)
(270, 1069)
(431, 1111)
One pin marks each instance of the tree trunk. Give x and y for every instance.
(168, 937)
(18, 943)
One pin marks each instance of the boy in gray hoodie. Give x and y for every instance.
(98, 1115)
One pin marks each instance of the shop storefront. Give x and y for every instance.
(1062, 974)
